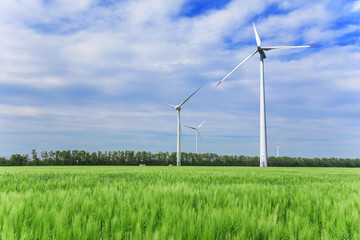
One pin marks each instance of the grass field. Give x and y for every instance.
(179, 203)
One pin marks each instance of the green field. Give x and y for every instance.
(179, 203)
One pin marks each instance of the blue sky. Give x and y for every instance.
(83, 74)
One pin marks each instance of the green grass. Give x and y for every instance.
(179, 203)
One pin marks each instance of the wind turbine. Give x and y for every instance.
(277, 147)
(178, 109)
(196, 132)
(261, 51)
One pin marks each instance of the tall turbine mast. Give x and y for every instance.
(178, 109)
(261, 51)
(196, 132)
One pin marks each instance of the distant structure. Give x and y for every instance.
(277, 147)
(261, 51)
(178, 109)
(197, 133)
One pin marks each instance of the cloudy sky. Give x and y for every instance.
(85, 74)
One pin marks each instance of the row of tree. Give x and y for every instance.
(76, 157)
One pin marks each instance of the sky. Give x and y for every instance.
(88, 75)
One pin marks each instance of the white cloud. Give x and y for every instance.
(27, 111)
(356, 6)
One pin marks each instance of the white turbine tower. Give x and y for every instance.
(178, 109)
(261, 51)
(196, 132)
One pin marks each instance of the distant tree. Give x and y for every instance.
(161, 158)
(58, 158)
(227, 160)
(100, 158)
(172, 158)
(52, 157)
(138, 158)
(66, 157)
(75, 157)
(130, 158)
(44, 157)
(121, 158)
(115, 158)
(35, 158)
(4, 161)
(85, 157)
(18, 160)
(108, 157)
(94, 159)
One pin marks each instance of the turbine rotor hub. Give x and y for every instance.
(261, 52)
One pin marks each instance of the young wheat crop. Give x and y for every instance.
(179, 203)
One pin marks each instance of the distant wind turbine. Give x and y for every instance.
(261, 51)
(277, 147)
(196, 132)
(178, 109)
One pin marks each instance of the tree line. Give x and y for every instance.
(131, 158)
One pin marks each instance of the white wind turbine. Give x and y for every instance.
(261, 51)
(277, 147)
(196, 132)
(178, 109)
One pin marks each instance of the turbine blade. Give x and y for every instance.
(285, 47)
(200, 136)
(201, 124)
(166, 104)
(237, 67)
(189, 97)
(190, 127)
(258, 41)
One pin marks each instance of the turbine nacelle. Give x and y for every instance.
(261, 52)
